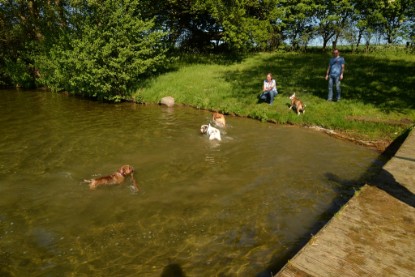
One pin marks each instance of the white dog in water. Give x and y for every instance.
(212, 132)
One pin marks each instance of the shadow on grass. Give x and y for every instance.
(387, 84)
(346, 189)
(220, 59)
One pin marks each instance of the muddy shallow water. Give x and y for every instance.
(206, 208)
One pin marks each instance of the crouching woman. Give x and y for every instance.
(269, 90)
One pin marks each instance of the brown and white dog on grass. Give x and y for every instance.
(297, 103)
(116, 178)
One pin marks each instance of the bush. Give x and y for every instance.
(105, 58)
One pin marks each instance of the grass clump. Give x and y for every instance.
(378, 91)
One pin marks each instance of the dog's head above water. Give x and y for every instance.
(204, 129)
(212, 132)
(126, 170)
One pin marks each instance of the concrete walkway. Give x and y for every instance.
(373, 234)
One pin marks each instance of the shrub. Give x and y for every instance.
(106, 54)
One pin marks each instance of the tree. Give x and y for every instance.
(24, 26)
(109, 49)
(247, 25)
(298, 21)
(189, 24)
(205, 25)
(394, 14)
(390, 18)
(333, 16)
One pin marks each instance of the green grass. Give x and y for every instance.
(378, 90)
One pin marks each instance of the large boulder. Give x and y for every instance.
(167, 101)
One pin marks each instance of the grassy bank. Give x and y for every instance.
(378, 90)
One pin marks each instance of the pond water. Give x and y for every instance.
(206, 208)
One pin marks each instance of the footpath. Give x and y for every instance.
(373, 234)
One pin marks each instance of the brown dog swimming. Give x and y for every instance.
(116, 178)
(219, 119)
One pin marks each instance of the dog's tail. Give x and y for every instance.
(88, 181)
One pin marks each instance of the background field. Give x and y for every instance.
(378, 90)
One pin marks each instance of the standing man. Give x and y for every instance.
(335, 74)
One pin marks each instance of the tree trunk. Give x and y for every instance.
(359, 39)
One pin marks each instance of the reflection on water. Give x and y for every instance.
(206, 208)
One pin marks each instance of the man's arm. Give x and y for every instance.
(327, 73)
(341, 73)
